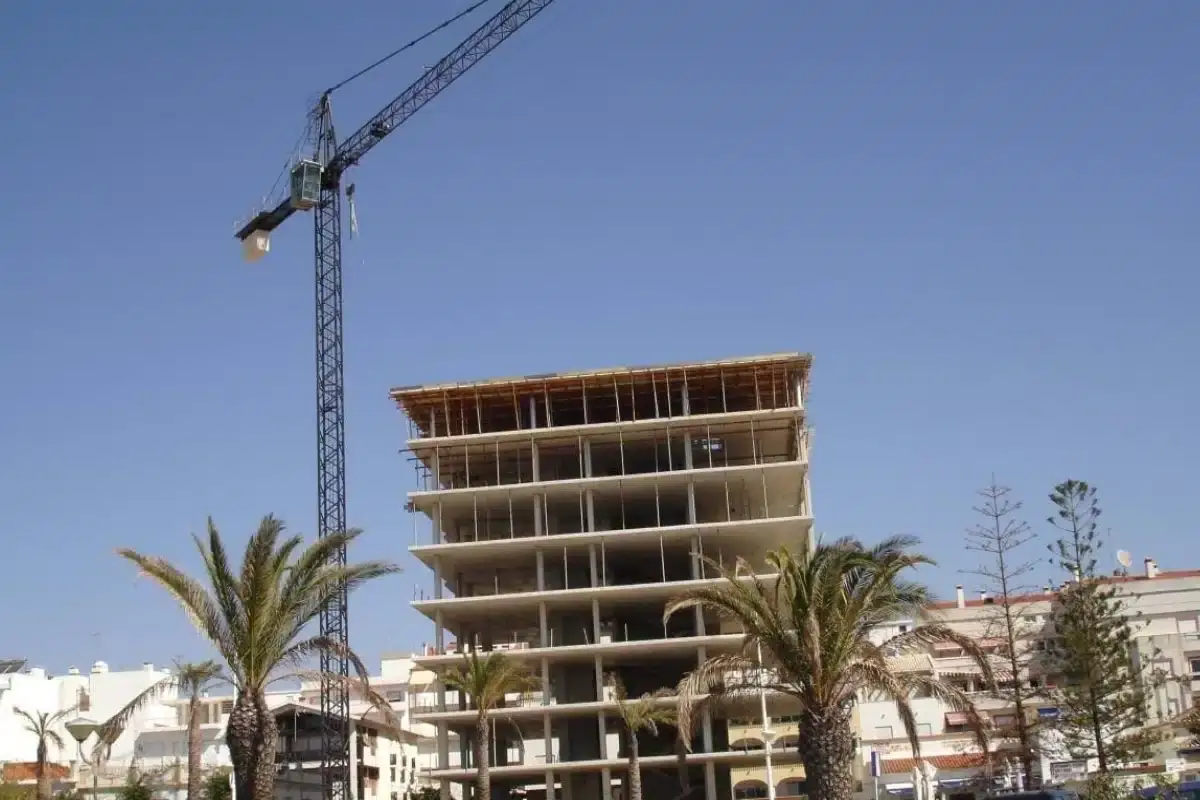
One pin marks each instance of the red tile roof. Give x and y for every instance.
(903, 766)
(18, 771)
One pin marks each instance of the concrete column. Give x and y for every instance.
(706, 715)
(592, 564)
(710, 781)
(439, 632)
(589, 500)
(544, 625)
(438, 582)
(352, 789)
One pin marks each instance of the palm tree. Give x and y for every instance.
(259, 622)
(486, 681)
(812, 625)
(643, 714)
(41, 724)
(189, 679)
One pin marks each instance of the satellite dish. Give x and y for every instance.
(1124, 558)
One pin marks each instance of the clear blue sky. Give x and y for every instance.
(980, 218)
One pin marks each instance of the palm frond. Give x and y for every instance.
(487, 680)
(808, 631)
(354, 686)
(112, 728)
(196, 602)
(257, 617)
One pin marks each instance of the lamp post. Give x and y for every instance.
(81, 729)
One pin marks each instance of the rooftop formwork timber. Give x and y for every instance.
(620, 394)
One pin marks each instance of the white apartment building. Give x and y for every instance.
(385, 762)
(564, 511)
(1167, 607)
(97, 695)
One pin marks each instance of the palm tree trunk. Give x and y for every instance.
(44, 789)
(193, 743)
(681, 766)
(635, 767)
(827, 749)
(251, 735)
(483, 780)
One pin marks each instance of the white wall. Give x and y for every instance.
(106, 693)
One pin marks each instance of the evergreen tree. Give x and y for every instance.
(1101, 691)
(1000, 537)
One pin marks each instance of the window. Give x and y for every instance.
(395, 695)
(924, 729)
(883, 732)
(393, 775)
(904, 629)
(392, 759)
(749, 792)
(1195, 665)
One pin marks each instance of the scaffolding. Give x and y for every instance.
(626, 394)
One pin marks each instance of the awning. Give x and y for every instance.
(957, 718)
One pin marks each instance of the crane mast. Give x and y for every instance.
(317, 185)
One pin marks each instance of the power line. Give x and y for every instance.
(413, 43)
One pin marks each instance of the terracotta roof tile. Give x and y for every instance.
(18, 771)
(903, 766)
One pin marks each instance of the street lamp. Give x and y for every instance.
(81, 729)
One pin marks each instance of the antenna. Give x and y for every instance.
(1124, 559)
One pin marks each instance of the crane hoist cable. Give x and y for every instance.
(413, 43)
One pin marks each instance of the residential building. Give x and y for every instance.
(562, 513)
(97, 695)
(385, 757)
(1164, 608)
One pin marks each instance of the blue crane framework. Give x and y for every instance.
(316, 184)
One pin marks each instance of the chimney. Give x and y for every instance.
(147, 666)
(1151, 568)
(961, 596)
(73, 671)
(1049, 588)
(983, 596)
(99, 668)
(37, 673)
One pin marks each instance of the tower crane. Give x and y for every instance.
(316, 185)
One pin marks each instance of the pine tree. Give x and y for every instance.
(1101, 693)
(1000, 538)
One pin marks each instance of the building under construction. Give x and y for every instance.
(565, 511)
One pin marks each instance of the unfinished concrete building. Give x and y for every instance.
(562, 512)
